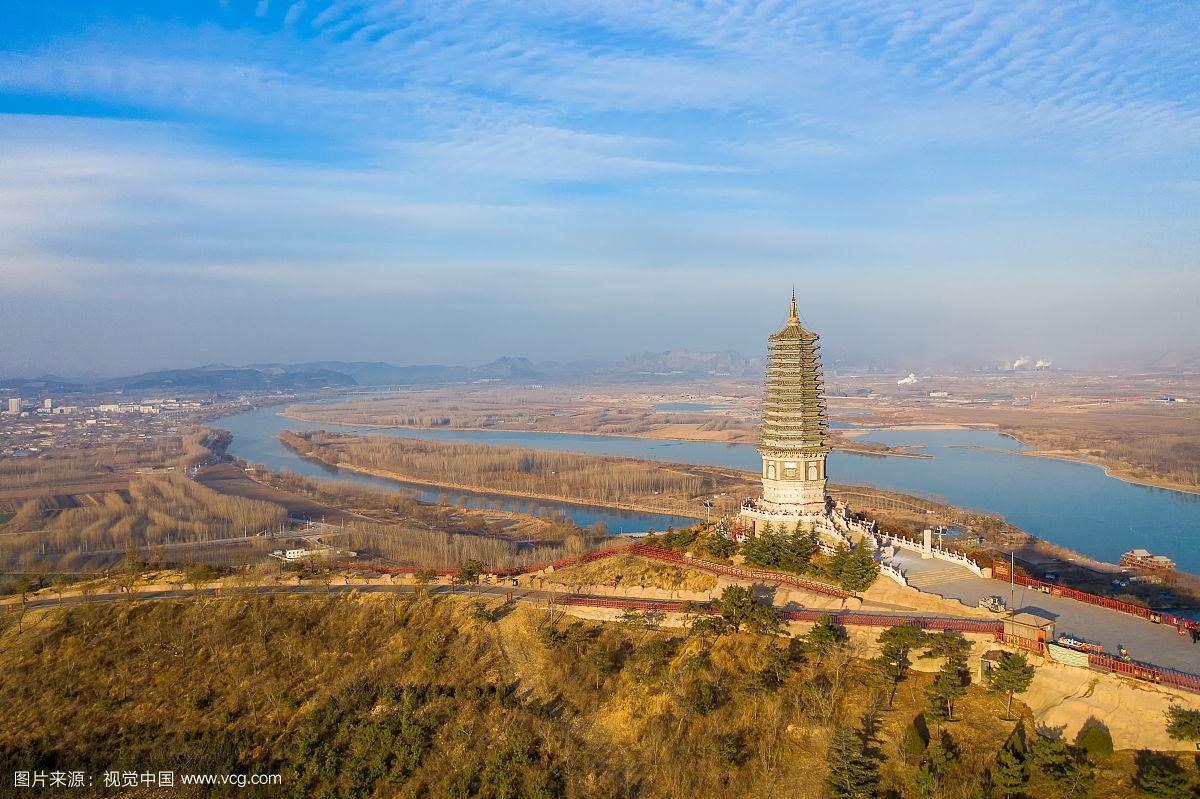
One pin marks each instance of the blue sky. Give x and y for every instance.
(256, 180)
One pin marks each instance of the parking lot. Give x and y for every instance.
(1146, 641)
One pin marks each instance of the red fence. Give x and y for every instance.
(1000, 571)
(641, 550)
(1028, 644)
(1146, 671)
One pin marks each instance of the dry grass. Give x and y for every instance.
(253, 684)
(627, 570)
(423, 546)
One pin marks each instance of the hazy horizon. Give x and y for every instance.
(262, 181)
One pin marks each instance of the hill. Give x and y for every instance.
(383, 695)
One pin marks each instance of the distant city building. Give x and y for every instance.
(794, 428)
(47, 404)
(14, 405)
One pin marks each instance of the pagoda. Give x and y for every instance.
(794, 429)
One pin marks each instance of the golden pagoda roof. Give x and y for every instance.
(794, 401)
(794, 330)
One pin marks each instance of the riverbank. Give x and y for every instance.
(712, 436)
(1144, 443)
(1110, 470)
(400, 477)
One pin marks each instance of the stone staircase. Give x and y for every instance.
(929, 579)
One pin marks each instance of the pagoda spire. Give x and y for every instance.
(794, 315)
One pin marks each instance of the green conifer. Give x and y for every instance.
(853, 774)
(1010, 772)
(1012, 675)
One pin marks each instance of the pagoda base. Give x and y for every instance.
(757, 514)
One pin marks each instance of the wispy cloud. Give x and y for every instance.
(303, 147)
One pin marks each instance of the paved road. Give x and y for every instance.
(1153, 643)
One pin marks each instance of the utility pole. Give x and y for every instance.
(1012, 581)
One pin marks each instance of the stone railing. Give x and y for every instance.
(893, 571)
(940, 553)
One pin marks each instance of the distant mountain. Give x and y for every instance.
(688, 363)
(48, 384)
(226, 378)
(1180, 360)
(373, 373)
(222, 378)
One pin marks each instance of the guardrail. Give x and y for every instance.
(894, 572)
(1146, 671)
(1028, 644)
(939, 553)
(1000, 571)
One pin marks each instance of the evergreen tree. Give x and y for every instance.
(896, 643)
(1010, 772)
(1012, 675)
(948, 686)
(858, 571)
(914, 741)
(939, 759)
(925, 783)
(945, 645)
(1063, 766)
(1183, 725)
(824, 635)
(837, 563)
(1096, 740)
(736, 605)
(754, 550)
(1161, 776)
(797, 552)
(719, 546)
(739, 609)
(853, 774)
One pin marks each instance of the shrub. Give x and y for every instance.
(705, 697)
(1096, 740)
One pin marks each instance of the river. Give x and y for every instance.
(255, 440)
(1071, 504)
